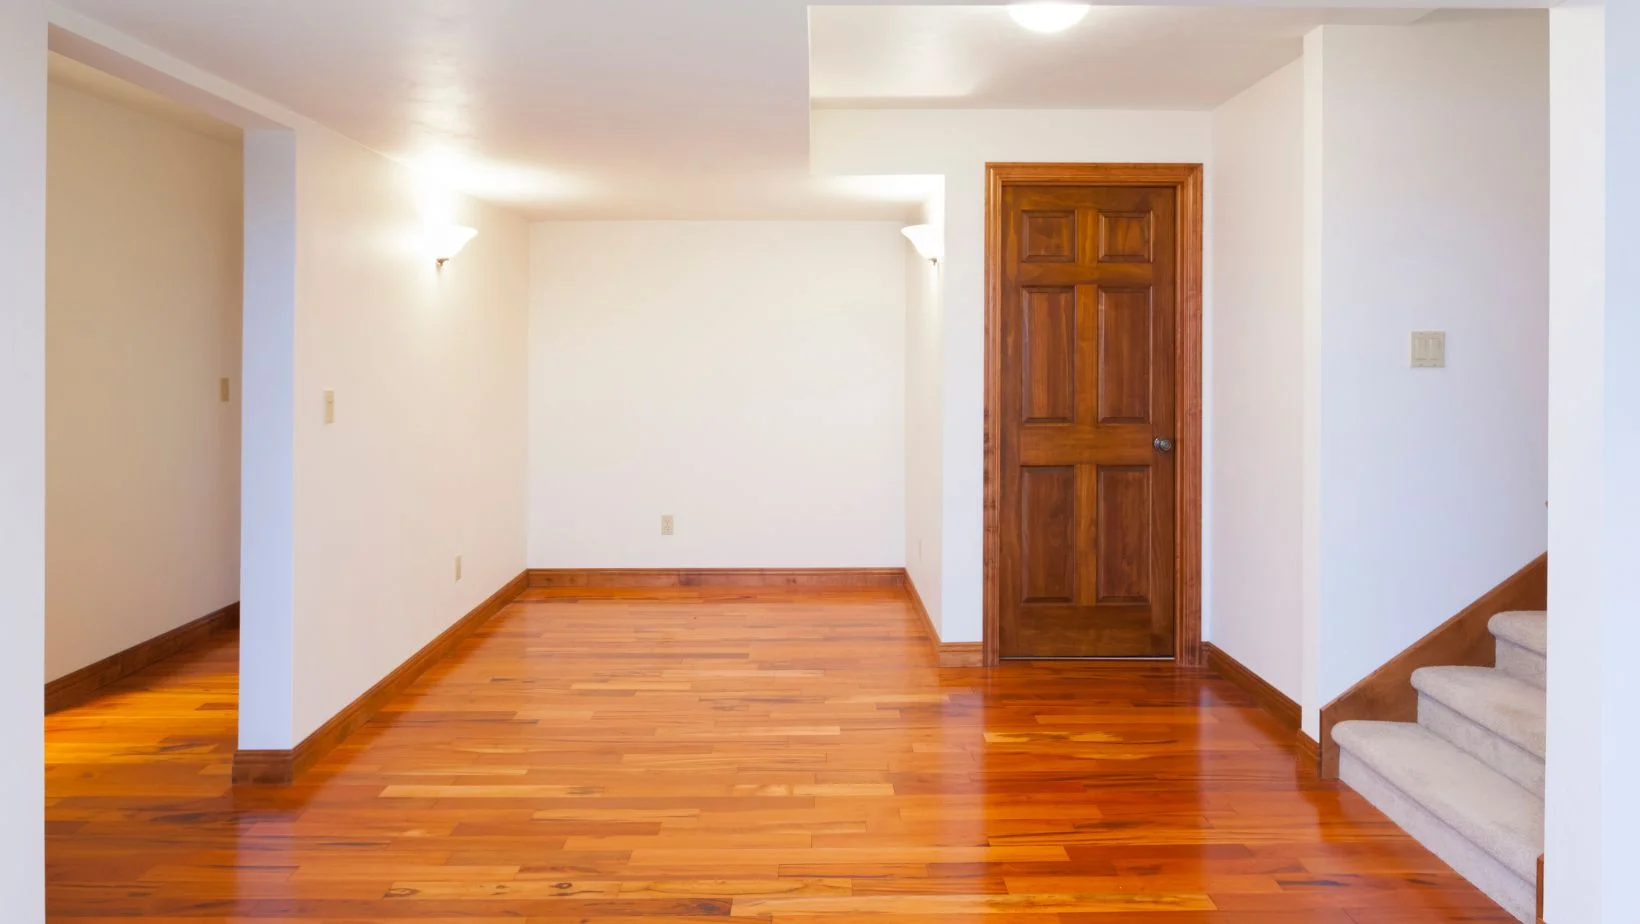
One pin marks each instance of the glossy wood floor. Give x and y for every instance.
(711, 757)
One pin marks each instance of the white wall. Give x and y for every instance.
(923, 411)
(143, 314)
(22, 455)
(1258, 349)
(426, 458)
(746, 377)
(957, 144)
(1433, 159)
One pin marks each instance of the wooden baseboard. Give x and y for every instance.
(716, 577)
(1273, 700)
(1309, 752)
(1278, 704)
(75, 688)
(1386, 695)
(950, 654)
(281, 767)
(1540, 890)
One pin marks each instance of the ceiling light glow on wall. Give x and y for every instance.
(447, 240)
(928, 240)
(1048, 18)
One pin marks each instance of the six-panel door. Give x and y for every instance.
(1086, 511)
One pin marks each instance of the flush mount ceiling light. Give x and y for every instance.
(1048, 18)
(447, 240)
(928, 240)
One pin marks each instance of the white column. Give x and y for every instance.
(22, 456)
(267, 525)
(1594, 465)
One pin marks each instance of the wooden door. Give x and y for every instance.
(1086, 506)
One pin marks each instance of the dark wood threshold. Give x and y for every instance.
(716, 577)
(949, 654)
(79, 686)
(1387, 695)
(282, 767)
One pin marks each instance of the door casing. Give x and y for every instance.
(1187, 180)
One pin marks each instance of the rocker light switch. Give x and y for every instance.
(1428, 349)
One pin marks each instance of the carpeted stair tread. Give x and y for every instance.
(1527, 628)
(1484, 806)
(1492, 699)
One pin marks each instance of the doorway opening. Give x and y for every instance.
(145, 267)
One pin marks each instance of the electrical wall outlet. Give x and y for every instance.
(225, 390)
(458, 567)
(666, 524)
(330, 406)
(1428, 349)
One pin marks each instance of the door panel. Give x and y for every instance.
(1048, 533)
(1086, 498)
(1050, 355)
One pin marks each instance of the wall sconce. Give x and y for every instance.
(446, 241)
(929, 241)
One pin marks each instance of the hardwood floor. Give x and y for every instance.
(697, 755)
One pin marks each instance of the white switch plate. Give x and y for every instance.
(1429, 349)
(226, 390)
(666, 524)
(458, 567)
(330, 406)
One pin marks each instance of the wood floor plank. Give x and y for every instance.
(693, 755)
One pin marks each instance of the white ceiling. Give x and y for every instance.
(680, 108)
(1119, 57)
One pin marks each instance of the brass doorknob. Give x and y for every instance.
(1163, 444)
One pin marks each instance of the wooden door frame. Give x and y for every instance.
(1186, 180)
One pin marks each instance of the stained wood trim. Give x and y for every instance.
(948, 654)
(1271, 699)
(716, 577)
(1386, 695)
(1309, 752)
(79, 686)
(1187, 180)
(1540, 890)
(281, 767)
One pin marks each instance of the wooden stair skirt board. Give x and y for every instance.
(281, 767)
(1387, 694)
(1275, 702)
(79, 686)
(716, 577)
(950, 654)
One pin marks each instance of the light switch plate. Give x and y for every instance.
(666, 524)
(1429, 349)
(226, 390)
(330, 406)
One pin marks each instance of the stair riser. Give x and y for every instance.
(1522, 663)
(1517, 896)
(1500, 754)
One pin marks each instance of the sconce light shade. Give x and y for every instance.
(929, 241)
(447, 240)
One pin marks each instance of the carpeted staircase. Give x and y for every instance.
(1467, 779)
